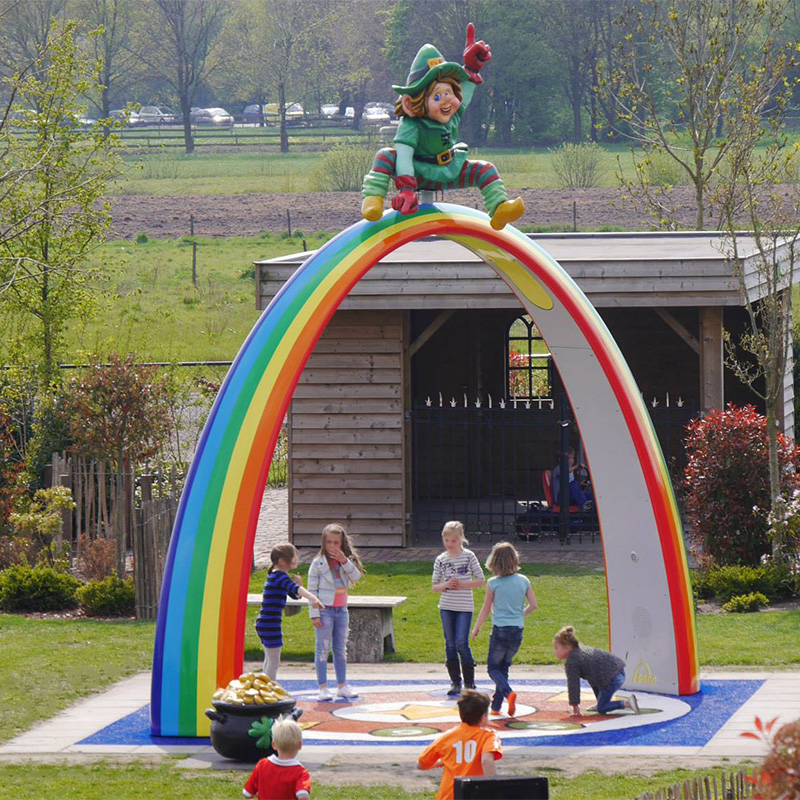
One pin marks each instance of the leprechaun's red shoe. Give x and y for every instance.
(507, 211)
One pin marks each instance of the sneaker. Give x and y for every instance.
(497, 713)
(471, 686)
(635, 705)
(512, 704)
(454, 690)
(591, 710)
(324, 694)
(346, 693)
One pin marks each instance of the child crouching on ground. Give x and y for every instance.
(468, 749)
(281, 776)
(603, 671)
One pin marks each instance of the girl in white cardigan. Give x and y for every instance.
(335, 569)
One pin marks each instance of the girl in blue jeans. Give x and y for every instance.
(506, 593)
(335, 569)
(456, 572)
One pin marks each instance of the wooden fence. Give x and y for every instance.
(724, 786)
(144, 504)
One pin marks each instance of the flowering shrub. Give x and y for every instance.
(726, 483)
(779, 775)
(784, 526)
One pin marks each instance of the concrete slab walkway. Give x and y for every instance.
(60, 738)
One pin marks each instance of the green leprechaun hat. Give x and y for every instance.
(427, 66)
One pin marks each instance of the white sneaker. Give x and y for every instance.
(346, 692)
(324, 693)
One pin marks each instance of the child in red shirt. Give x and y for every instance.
(466, 750)
(281, 776)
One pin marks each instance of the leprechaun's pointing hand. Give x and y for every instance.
(476, 54)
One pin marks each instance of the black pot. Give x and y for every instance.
(231, 725)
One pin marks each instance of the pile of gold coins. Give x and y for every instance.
(252, 688)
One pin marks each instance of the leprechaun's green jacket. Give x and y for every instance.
(421, 136)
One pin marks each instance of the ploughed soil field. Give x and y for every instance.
(251, 214)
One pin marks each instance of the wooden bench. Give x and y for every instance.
(371, 624)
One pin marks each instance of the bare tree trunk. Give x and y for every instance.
(186, 110)
(282, 112)
(119, 508)
(699, 199)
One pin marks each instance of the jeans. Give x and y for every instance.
(456, 625)
(332, 634)
(503, 646)
(605, 705)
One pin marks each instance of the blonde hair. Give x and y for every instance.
(566, 636)
(285, 552)
(287, 735)
(347, 544)
(503, 560)
(457, 527)
(419, 102)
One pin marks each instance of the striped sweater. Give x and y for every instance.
(464, 566)
(269, 623)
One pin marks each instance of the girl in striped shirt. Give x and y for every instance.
(456, 572)
(277, 587)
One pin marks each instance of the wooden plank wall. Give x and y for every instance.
(346, 433)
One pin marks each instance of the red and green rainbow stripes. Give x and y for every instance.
(200, 631)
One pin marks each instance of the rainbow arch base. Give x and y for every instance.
(199, 641)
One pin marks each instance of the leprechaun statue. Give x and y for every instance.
(427, 155)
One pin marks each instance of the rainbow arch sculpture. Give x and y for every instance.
(199, 641)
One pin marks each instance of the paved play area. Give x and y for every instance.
(403, 706)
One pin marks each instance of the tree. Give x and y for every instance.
(54, 174)
(758, 193)
(110, 46)
(26, 30)
(118, 412)
(679, 71)
(179, 44)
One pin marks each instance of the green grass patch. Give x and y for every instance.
(131, 781)
(148, 305)
(48, 664)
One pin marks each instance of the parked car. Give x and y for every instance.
(254, 114)
(350, 112)
(126, 117)
(329, 109)
(211, 116)
(375, 114)
(295, 111)
(153, 115)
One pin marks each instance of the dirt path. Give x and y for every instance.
(250, 214)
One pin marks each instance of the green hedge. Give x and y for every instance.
(746, 603)
(111, 597)
(25, 588)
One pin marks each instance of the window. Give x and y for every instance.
(529, 361)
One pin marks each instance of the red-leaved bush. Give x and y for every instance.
(779, 776)
(726, 483)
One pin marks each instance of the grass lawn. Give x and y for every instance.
(74, 658)
(132, 781)
(171, 172)
(148, 305)
(47, 664)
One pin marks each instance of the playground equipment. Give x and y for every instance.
(201, 618)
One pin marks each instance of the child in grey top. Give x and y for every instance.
(456, 572)
(603, 671)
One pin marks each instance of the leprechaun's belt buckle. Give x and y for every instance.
(443, 159)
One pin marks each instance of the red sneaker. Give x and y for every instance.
(497, 713)
(512, 704)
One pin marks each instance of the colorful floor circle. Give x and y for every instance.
(422, 712)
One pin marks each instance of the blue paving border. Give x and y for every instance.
(711, 708)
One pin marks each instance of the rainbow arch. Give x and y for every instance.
(199, 642)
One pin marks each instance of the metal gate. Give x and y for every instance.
(483, 462)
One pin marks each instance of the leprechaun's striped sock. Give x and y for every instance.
(376, 181)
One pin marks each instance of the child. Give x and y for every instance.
(278, 585)
(467, 750)
(604, 672)
(506, 594)
(455, 573)
(336, 568)
(281, 776)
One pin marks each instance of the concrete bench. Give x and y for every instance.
(371, 624)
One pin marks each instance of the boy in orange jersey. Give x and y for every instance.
(468, 749)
